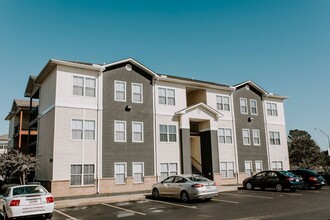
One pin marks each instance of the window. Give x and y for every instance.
(225, 135)
(120, 173)
(277, 165)
(223, 103)
(256, 137)
(167, 133)
(120, 91)
(84, 86)
(137, 93)
(137, 131)
(248, 168)
(253, 106)
(246, 137)
(138, 172)
(3, 145)
(166, 96)
(120, 131)
(258, 164)
(82, 174)
(168, 169)
(243, 104)
(82, 129)
(227, 169)
(271, 109)
(274, 137)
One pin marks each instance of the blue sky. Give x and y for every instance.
(284, 46)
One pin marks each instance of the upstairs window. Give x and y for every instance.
(246, 137)
(120, 131)
(243, 105)
(84, 86)
(271, 109)
(82, 129)
(166, 96)
(256, 137)
(137, 93)
(223, 103)
(120, 91)
(137, 131)
(167, 133)
(274, 137)
(225, 135)
(253, 105)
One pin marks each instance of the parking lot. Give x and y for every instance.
(240, 204)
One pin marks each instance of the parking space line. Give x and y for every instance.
(128, 210)
(242, 195)
(228, 201)
(291, 194)
(169, 203)
(66, 215)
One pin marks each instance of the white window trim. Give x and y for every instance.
(115, 136)
(261, 165)
(134, 172)
(125, 180)
(138, 84)
(225, 136)
(223, 96)
(250, 162)
(226, 162)
(84, 86)
(254, 137)
(271, 109)
(166, 95)
(82, 175)
(276, 167)
(279, 138)
(119, 100)
(240, 106)
(169, 169)
(137, 122)
(245, 129)
(83, 130)
(253, 100)
(168, 133)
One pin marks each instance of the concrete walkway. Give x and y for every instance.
(64, 203)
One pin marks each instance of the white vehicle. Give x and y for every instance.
(26, 201)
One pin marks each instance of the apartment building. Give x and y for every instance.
(3, 143)
(121, 127)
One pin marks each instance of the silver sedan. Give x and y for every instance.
(185, 187)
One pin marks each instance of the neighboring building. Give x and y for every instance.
(19, 130)
(121, 127)
(3, 144)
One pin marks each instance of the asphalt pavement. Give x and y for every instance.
(96, 199)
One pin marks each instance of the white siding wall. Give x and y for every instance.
(227, 151)
(47, 93)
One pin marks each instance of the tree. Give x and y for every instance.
(303, 150)
(19, 164)
(324, 161)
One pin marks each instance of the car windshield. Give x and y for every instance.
(198, 179)
(28, 190)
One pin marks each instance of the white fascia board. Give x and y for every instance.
(78, 65)
(208, 108)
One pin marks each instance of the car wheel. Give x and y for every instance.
(249, 186)
(155, 193)
(184, 197)
(279, 187)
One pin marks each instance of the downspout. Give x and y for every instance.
(99, 131)
(264, 107)
(234, 134)
(154, 129)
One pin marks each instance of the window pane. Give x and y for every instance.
(162, 95)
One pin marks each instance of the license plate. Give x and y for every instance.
(208, 187)
(34, 201)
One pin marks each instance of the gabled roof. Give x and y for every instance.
(134, 62)
(19, 104)
(203, 106)
(259, 89)
(29, 86)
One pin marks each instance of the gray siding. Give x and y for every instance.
(185, 149)
(250, 152)
(115, 110)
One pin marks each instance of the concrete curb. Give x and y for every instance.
(68, 203)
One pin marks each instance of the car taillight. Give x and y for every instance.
(289, 179)
(14, 202)
(49, 199)
(197, 185)
(312, 178)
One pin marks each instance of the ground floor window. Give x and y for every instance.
(120, 173)
(277, 165)
(248, 168)
(82, 174)
(258, 164)
(168, 169)
(227, 169)
(138, 172)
